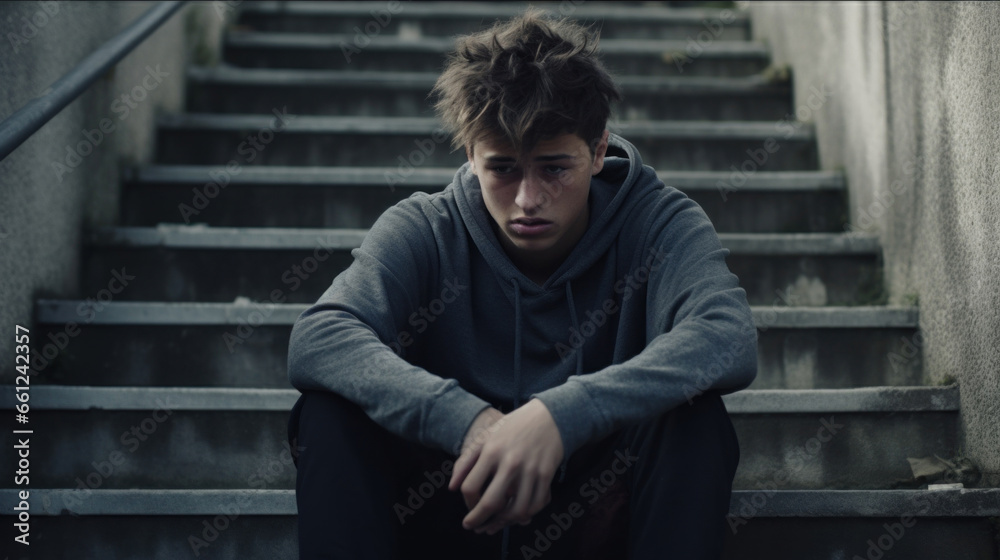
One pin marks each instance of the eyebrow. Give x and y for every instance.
(508, 159)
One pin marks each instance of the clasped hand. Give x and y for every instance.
(517, 454)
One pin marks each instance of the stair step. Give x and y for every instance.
(444, 19)
(196, 263)
(219, 139)
(246, 344)
(50, 311)
(962, 503)
(784, 182)
(223, 437)
(749, 401)
(354, 197)
(223, 89)
(426, 54)
(224, 238)
(249, 524)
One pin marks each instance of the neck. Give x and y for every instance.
(540, 265)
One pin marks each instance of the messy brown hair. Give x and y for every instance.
(525, 80)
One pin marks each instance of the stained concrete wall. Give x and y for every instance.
(66, 177)
(913, 119)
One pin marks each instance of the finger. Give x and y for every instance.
(463, 465)
(518, 508)
(493, 500)
(472, 484)
(496, 521)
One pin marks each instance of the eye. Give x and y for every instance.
(502, 169)
(554, 169)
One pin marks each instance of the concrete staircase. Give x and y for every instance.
(159, 423)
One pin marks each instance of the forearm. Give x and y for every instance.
(673, 369)
(331, 350)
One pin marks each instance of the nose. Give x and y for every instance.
(532, 194)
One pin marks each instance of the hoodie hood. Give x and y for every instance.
(614, 193)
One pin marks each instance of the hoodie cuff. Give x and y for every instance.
(449, 419)
(575, 414)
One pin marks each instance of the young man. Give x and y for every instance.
(556, 318)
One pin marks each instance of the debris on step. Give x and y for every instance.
(936, 471)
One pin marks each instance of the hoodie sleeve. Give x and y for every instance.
(700, 334)
(347, 342)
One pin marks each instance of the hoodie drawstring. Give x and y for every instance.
(517, 383)
(575, 324)
(517, 343)
(517, 373)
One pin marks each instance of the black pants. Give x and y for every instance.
(659, 489)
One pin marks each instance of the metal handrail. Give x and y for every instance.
(17, 128)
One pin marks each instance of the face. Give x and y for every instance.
(539, 199)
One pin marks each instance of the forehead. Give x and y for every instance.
(569, 145)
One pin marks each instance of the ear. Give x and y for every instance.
(472, 159)
(599, 151)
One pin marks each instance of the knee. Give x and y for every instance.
(709, 430)
(700, 430)
(324, 406)
(325, 418)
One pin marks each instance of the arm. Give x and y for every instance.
(341, 343)
(700, 335)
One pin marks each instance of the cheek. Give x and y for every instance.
(494, 198)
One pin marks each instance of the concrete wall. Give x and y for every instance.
(66, 177)
(913, 118)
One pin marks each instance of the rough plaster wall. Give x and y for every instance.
(835, 48)
(915, 124)
(941, 231)
(42, 213)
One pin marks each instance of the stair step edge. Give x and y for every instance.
(439, 177)
(974, 502)
(61, 311)
(750, 401)
(343, 239)
(282, 121)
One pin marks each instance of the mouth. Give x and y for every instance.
(530, 226)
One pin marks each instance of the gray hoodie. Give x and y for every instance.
(432, 322)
